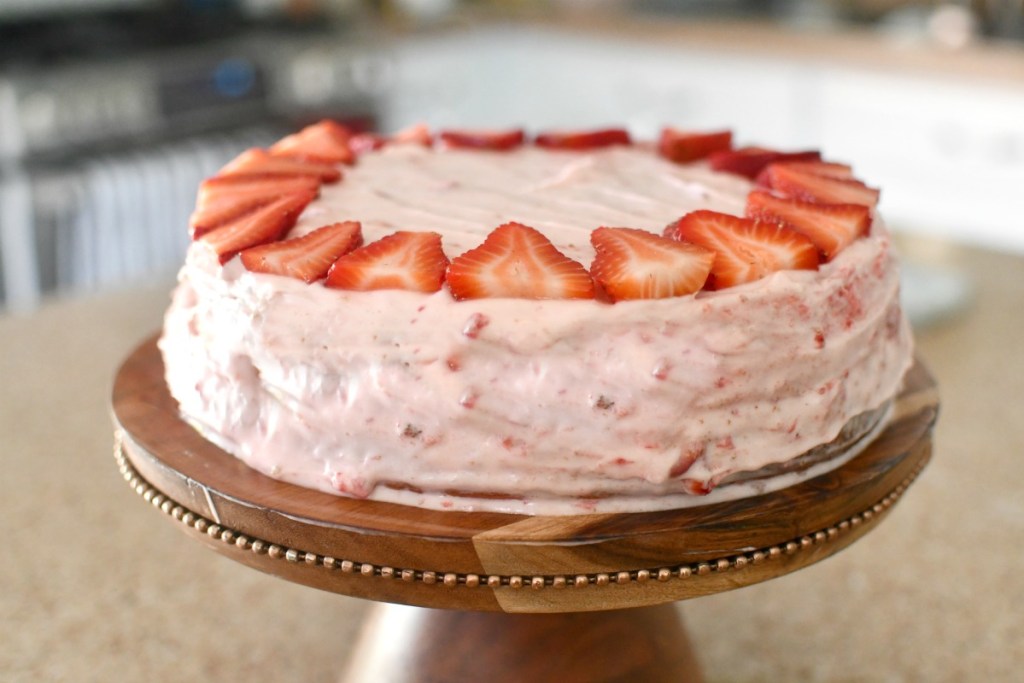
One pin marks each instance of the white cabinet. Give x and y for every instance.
(948, 154)
(542, 78)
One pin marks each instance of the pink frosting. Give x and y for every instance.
(560, 406)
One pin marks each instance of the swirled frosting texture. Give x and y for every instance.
(549, 407)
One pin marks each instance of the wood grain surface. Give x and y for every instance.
(500, 562)
(402, 644)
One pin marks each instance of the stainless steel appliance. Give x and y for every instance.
(100, 154)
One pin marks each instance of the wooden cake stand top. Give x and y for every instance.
(500, 562)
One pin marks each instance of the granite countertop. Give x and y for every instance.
(98, 586)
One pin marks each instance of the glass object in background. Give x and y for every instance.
(931, 293)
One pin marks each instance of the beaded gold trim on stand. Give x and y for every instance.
(735, 562)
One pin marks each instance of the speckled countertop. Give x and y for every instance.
(97, 586)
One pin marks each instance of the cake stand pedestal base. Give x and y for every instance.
(402, 644)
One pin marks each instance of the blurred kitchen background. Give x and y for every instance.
(112, 111)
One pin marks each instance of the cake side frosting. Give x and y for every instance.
(557, 406)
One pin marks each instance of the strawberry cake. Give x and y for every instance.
(563, 323)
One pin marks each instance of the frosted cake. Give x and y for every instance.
(570, 323)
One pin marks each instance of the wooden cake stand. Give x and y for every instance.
(519, 598)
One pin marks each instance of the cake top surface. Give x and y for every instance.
(579, 215)
(463, 194)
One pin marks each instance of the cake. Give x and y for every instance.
(570, 324)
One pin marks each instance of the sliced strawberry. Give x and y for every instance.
(263, 224)
(361, 143)
(636, 264)
(308, 257)
(683, 146)
(417, 134)
(325, 142)
(832, 227)
(516, 261)
(480, 139)
(259, 163)
(403, 260)
(580, 140)
(812, 187)
(749, 161)
(745, 249)
(225, 198)
(825, 168)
